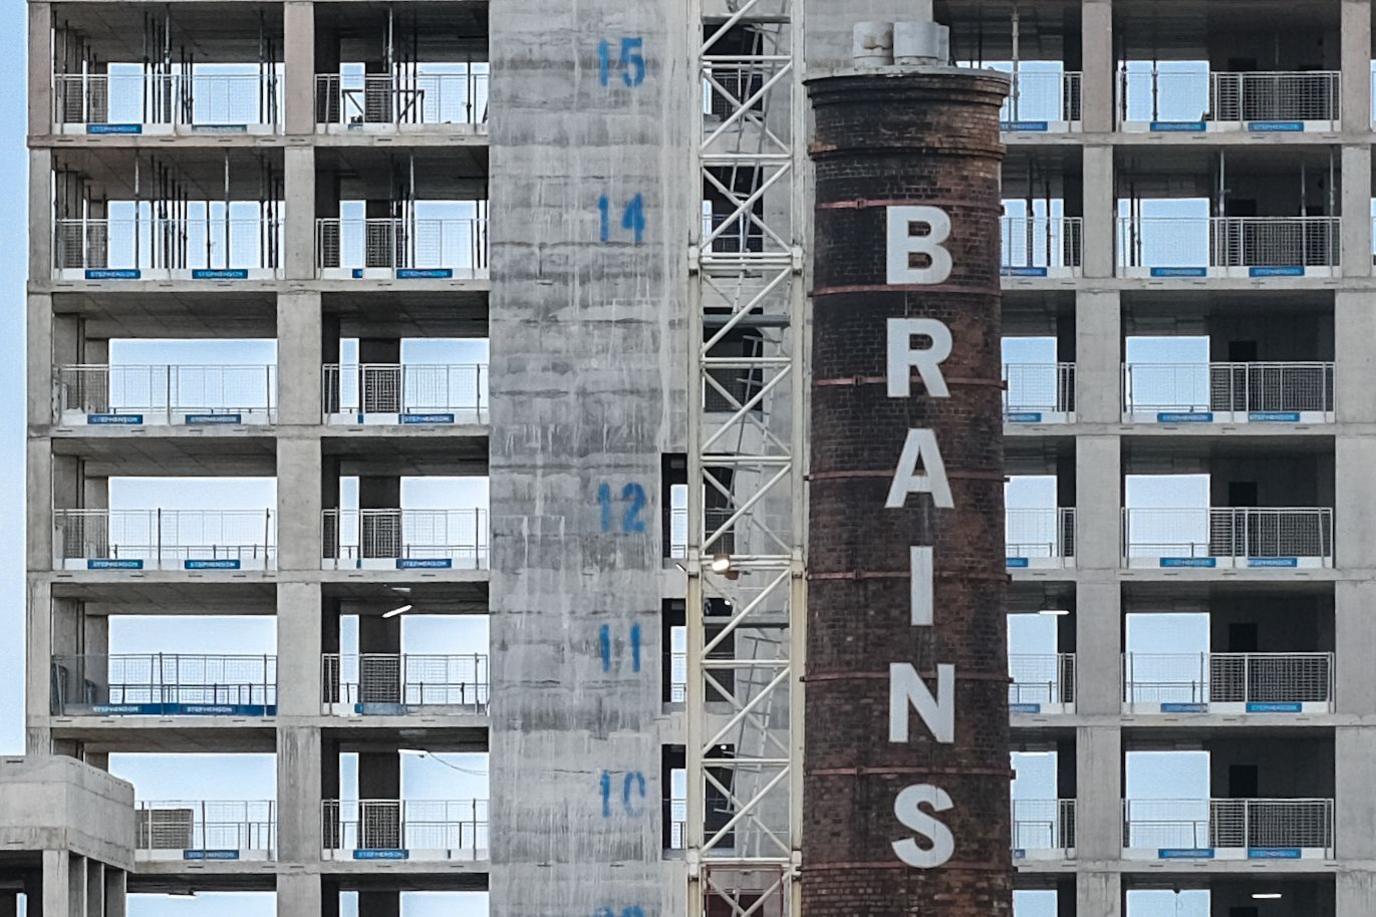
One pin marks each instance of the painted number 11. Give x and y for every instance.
(631, 61)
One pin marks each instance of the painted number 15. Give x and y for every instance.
(631, 61)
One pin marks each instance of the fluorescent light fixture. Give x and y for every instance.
(1054, 612)
(721, 563)
(396, 611)
(1266, 896)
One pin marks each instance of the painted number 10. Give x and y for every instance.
(631, 61)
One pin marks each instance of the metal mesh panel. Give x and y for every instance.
(1224, 532)
(166, 829)
(1228, 677)
(379, 679)
(1040, 532)
(1275, 96)
(1043, 824)
(380, 531)
(1229, 823)
(1048, 387)
(459, 245)
(1305, 387)
(1041, 679)
(1224, 242)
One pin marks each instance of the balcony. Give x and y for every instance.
(164, 684)
(159, 539)
(1043, 829)
(405, 829)
(1042, 101)
(1042, 683)
(1227, 829)
(1041, 247)
(397, 249)
(206, 831)
(1039, 538)
(1228, 538)
(392, 684)
(386, 103)
(1197, 101)
(1228, 393)
(101, 395)
(1228, 247)
(404, 539)
(167, 249)
(162, 104)
(1039, 393)
(377, 393)
(1228, 683)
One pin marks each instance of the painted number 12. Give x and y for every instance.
(631, 61)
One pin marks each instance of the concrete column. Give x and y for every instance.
(298, 26)
(1098, 517)
(1096, 52)
(41, 408)
(1098, 357)
(1354, 324)
(1098, 894)
(57, 884)
(1354, 522)
(116, 901)
(1356, 66)
(95, 889)
(1100, 210)
(299, 337)
(1356, 216)
(1099, 795)
(37, 666)
(298, 504)
(1354, 755)
(40, 215)
(298, 894)
(1356, 891)
(299, 172)
(298, 798)
(1098, 649)
(40, 68)
(40, 495)
(298, 644)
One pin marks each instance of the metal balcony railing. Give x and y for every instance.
(1228, 537)
(1041, 246)
(678, 677)
(206, 830)
(1247, 828)
(678, 532)
(1249, 682)
(162, 539)
(1228, 392)
(1040, 537)
(413, 829)
(125, 102)
(404, 249)
(1041, 682)
(1042, 100)
(1043, 828)
(678, 823)
(1262, 101)
(158, 249)
(360, 100)
(201, 394)
(1039, 392)
(410, 393)
(405, 539)
(1228, 246)
(164, 684)
(398, 683)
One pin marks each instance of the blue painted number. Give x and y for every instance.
(633, 494)
(632, 218)
(634, 789)
(631, 62)
(604, 647)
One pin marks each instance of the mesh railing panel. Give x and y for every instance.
(164, 534)
(458, 826)
(1042, 95)
(203, 99)
(1251, 387)
(1228, 677)
(1039, 532)
(1194, 94)
(427, 98)
(411, 679)
(1041, 678)
(1250, 532)
(1042, 242)
(167, 244)
(448, 244)
(412, 388)
(460, 534)
(207, 825)
(163, 678)
(1048, 387)
(1043, 824)
(1228, 823)
(1223, 242)
(100, 389)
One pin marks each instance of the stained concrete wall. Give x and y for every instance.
(581, 350)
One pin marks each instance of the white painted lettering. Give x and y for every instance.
(903, 356)
(908, 808)
(905, 244)
(938, 713)
(920, 451)
(920, 565)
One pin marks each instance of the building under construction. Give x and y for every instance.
(527, 490)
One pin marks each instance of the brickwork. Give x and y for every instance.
(914, 138)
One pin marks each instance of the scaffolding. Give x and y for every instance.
(744, 553)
